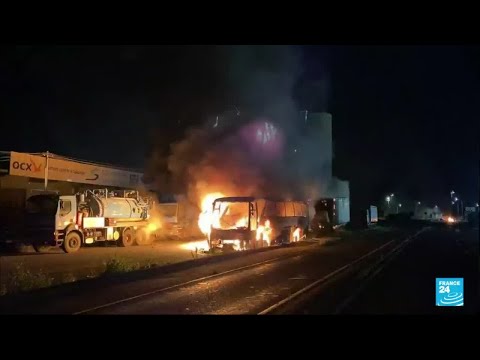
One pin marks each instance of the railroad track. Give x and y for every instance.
(368, 273)
(378, 255)
(183, 284)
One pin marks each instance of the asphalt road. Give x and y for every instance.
(246, 283)
(407, 283)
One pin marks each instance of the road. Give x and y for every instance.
(405, 284)
(245, 283)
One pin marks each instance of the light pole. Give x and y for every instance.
(398, 206)
(451, 198)
(388, 202)
(415, 210)
(459, 206)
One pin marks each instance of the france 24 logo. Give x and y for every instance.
(449, 291)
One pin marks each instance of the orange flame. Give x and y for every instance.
(264, 232)
(206, 218)
(296, 235)
(243, 222)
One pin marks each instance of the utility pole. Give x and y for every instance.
(46, 170)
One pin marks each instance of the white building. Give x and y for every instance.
(427, 213)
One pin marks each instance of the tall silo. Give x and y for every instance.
(319, 133)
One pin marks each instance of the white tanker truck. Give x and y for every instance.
(69, 221)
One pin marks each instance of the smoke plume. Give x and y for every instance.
(225, 156)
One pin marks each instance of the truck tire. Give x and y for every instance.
(127, 238)
(72, 242)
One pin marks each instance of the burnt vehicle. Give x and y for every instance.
(249, 222)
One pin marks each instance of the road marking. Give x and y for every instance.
(181, 285)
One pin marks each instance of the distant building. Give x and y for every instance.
(427, 213)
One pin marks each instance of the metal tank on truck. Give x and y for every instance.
(92, 216)
(119, 208)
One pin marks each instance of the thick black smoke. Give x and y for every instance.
(215, 159)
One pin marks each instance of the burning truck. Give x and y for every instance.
(242, 223)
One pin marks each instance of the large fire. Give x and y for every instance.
(196, 246)
(206, 217)
(296, 235)
(243, 222)
(265, 232)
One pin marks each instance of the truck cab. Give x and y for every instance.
(48, 218)
(66, 212)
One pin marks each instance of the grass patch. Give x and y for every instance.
(150, 264)
(116, 266)
(23, 279)
(68, 278)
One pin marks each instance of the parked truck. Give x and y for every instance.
(70, 221)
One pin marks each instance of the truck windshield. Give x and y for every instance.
(230, 215)
(42, 204)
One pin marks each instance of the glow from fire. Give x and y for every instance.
(243, 222)
(236, 244)
(296, 235)
(152, 227)
(265, 232)
(206, 218)
(195, 246)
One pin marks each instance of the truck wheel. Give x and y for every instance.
(127, 238)
(71, 243)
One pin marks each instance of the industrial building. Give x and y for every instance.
(25, 174)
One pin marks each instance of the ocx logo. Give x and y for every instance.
(31, 166)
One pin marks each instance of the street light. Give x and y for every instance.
(415, 210)
(388, 203)
(459, 206)
(398, 206)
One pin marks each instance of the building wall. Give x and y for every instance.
(427, 213)
(32, 186)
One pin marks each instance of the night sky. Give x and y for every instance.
(405, 118)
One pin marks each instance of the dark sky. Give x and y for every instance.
(405, 118)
